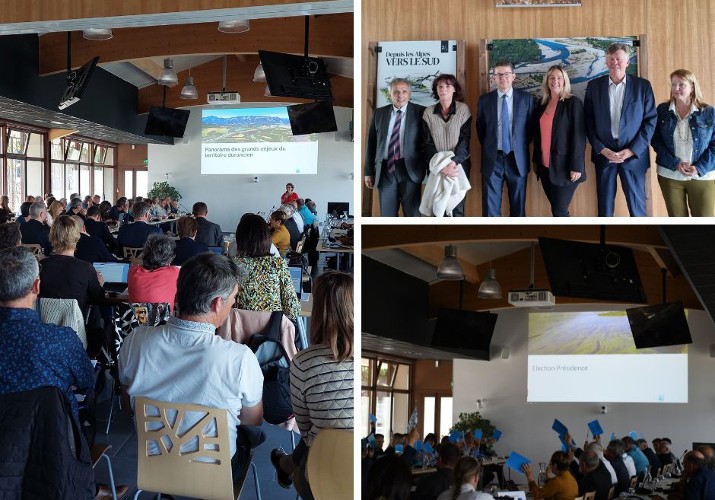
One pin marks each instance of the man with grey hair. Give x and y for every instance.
(135, 235)
(10, 235)
(184, 361)
(35, 230)
(620, 115)
(32, 353)
(595, 476)
(394, 160)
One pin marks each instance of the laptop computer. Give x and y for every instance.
(115, 275)
(296, 276)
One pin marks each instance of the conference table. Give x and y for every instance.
(329, 243)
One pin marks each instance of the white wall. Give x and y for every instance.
(527, 426)
(230, 196)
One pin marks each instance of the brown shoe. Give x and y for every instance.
(105, 492)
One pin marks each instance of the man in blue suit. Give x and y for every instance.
(394, 163)
(620, 117)
(505, 142)
(134, 235)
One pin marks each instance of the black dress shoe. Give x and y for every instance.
(282, 477)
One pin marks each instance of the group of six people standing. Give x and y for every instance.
(407, 141)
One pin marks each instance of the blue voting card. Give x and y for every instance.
(399, 449)
(496, 435)
(634, 435)
(595, 427)
(560, 428)
(427, 447)
(477, 434)
(516, 461)
(613, 436)
(418, 445)
(372, 418)
(455, 436)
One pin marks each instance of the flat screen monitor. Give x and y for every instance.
(296, 276)
(166, 121)
(659, 325)
(295, 76)
(338, 207)
(77, 82)
(592, 271)
(465, 332)
(312, 118)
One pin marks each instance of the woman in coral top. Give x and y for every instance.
(559, 141)
(289, 196)
(155, 280)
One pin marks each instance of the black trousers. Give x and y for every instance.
(559, 196)
(247, 438)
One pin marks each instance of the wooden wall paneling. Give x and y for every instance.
(46, 10)
(679, 34)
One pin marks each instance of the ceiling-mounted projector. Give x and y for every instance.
(224, 97)
(531, 298)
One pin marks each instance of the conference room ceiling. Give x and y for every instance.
(685, 251)
(140, 43)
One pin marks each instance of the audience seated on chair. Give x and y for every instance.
(32, 353)
(305, 213)
(89, 248)
(155, 280)
(187, 246)
(184, 361)
(120, 210)
(466, 478)
(321, 375)
(562, 483)
(209, 233)
(280, 236)
(97, 228)
(291, 225)
(595, 476)
(24, 212)
(429, 486)
(63, 275)
(266, 283)
(35, 230)
(135, 235)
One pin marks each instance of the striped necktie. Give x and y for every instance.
(393, 150)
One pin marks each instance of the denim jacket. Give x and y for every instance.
(702, 128)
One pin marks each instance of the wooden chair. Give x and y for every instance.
(134, 254)
(205, 473)
(330, 464)
(578, 498)
(611, 492)
(98, 452)
(591, 495)
(36, 250)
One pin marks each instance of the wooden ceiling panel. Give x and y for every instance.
(330, 35)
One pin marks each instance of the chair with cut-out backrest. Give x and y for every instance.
(591, 495)
(36, 250)
(133, 254)
(180, 455)
(329, 469)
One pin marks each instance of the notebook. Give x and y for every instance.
(115, 275)
(296, 276)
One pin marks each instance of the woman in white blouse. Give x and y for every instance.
(685, 149)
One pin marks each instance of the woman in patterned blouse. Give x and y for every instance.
(265, 281)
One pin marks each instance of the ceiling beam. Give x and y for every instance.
(149, 66)
(640, 237)
(434, 255)
(330, 35)
(208, 77)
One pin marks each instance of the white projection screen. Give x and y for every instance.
(591, 357)
(255, 141)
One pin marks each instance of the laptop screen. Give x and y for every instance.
(113, 272)
(296, 275)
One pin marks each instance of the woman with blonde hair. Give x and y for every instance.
(54, 210)
(321, 376)
(63, 276)
(5, 212)
(466, 478)
(559, 141)
(684, 143)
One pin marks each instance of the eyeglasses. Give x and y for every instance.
(503, 75)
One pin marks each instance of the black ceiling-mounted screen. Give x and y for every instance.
(659, 325)
(312, 118)
(296, 76)
(77, 81)
(465, 332)
(166, 121)
(592, 271)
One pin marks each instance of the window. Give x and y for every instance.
(385, 394)
(81, 166)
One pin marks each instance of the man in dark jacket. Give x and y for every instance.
(96, 227)
(431, 485)
(34, 230)
(595, 476)
(209, 233)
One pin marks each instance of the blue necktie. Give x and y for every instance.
(505, 135)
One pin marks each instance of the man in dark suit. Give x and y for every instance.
(135, 235)
(620, 119)
(594, 476)
(121, 209)
(209, 233)
(505, 142)
(34, 230)
(96, 228)
(394, 163)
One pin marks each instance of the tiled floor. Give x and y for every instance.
(123, 454)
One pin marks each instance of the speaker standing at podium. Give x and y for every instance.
(394, 163)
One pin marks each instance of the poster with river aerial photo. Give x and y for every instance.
(584, 59)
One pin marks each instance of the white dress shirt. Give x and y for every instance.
(616, 93)
(393, 116)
